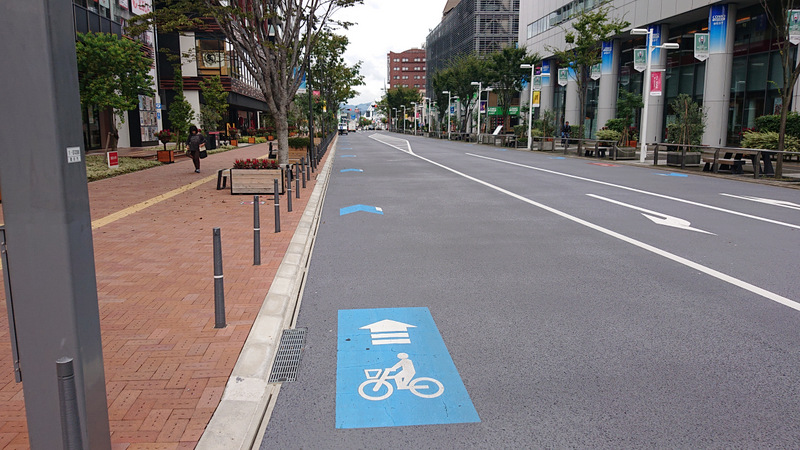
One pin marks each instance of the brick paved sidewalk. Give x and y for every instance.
(166, 366)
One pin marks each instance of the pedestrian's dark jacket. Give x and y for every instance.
(194, 141)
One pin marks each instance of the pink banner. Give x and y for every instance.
(655, 84)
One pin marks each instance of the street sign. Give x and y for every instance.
(113, 160)
(393, 369)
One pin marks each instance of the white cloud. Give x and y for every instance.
(383, 26)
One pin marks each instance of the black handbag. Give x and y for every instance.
(203, 154)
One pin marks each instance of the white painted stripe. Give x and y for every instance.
(654, 194)
(686, 262)
(389, 335)
(391, 341)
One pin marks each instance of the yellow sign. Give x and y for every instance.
(535, 101)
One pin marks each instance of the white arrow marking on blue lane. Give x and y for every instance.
(389, 332)
(351, 170)
(657, 217)
(673, 174)
(356, 208)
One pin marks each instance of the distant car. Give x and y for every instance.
(342, 128)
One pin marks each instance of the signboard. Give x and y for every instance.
(105, 3)
(793, 19)
(607, 58)
(393, 369)
(717, 28)
(513, 111)
(639, 59)
(562, 77)
(655, 84)
(701, 46)
(655, 30)
(123, 4)
(495, 111)
(73, 155)
(595, 72)
(113, 160)
(536, 99)
(537, 82)
(545, 73)
(482, 107)
(140, 7)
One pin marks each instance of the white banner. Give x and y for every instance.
(595, 73)
(794, 26)
(140, 7)
(701, 46)
(562, 77)
(639, 59)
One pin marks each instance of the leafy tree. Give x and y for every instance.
(215, 109)
(113, 72)
(399, 97)
(689, 124)
(180, 114)
(589, 30)
(627, 104)
(506, 77)
(328, 72)
(458, 77)
(272, 39)
(778, 18)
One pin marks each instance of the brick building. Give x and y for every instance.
(407, 69)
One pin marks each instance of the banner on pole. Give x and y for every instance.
(655, 84)
(701, 46)
(595, 72)
(536, 99)
(537, 82)
(639, 59)
(562, 77)
(794, 26)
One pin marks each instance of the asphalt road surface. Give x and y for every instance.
(583, 304)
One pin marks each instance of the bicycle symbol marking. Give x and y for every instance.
(404, 379)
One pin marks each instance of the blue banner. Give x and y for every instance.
(717, 28)
(607, 64)
(656, 55)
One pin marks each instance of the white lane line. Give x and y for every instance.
(408, 144)
(654, 194)
(768, 201)
(671, 256)
(657, 217)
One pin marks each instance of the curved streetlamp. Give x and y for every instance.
(530, 103)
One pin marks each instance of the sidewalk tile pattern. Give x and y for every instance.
(166, 365)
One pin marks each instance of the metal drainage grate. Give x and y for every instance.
(287, 359)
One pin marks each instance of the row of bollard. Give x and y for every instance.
(296, 173)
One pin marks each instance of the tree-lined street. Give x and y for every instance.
(583, 304)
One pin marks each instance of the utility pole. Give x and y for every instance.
(47, 221)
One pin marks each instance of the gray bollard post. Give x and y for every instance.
(219, 289)
(276, 193)
(68, 405)
(303, 171)
(256, 232)
(297, 176)
(289, 188)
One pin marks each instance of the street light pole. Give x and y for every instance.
(646, 95)
(449, 114)
(404, 119)
(415, 117)
(530, 104)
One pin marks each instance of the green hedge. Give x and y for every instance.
(298, 142)
(769, 141)
(772, 123)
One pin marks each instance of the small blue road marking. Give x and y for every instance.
(393, 369)
(351, 170)
(672, 174)
(557, 157)
(357, 208)
(348, 156)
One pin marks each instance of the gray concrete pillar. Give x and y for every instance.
(716, 96)
(572, 102)
(609, 81)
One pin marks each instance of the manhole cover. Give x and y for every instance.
(287, 360)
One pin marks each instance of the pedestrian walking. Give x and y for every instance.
(194, 142)
(566, 130)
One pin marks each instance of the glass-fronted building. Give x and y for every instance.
(739, 80)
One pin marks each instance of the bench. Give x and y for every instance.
(592, 147)
(713, 165)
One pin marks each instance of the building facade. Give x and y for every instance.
(407, 69)
(738, 79)
(472, 26)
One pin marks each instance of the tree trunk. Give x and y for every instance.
(282, 129)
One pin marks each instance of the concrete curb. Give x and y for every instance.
(241, 416)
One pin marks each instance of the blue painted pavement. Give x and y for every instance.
(351, 170)
(557, 157)
(393, 369)
(357, 208)
(672, 174)
(347, 156)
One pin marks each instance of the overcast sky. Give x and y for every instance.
(383, 26)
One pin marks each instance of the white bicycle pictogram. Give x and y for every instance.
(404, 379)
